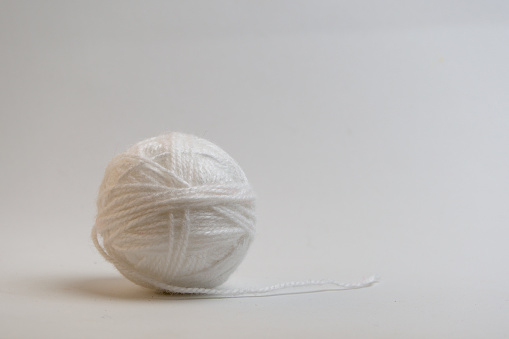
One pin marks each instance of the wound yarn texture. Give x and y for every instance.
(175, 213)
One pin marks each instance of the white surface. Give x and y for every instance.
(391, 120)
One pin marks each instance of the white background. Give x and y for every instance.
(375, 134)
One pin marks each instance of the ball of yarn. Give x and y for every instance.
(174, 212)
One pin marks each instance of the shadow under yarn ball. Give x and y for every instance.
(175, 213)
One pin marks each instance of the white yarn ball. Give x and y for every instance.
(174, 212)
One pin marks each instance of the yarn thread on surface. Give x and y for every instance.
(176, 213)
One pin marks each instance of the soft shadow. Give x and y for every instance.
(105, 287)
(112, 288)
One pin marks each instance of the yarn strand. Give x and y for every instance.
(281, 288)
